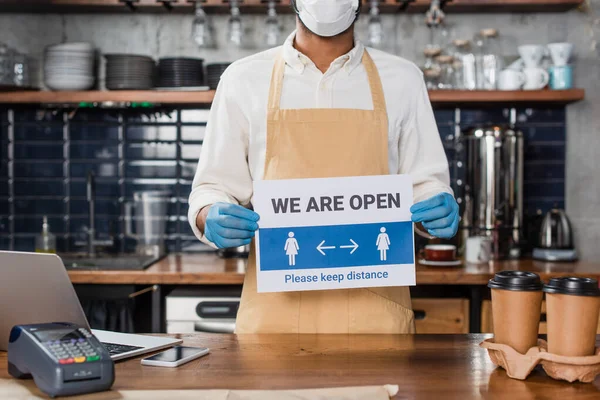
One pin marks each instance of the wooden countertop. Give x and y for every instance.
(424, 366)
(209, 269)
(175, 269)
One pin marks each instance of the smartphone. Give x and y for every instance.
(176, 356)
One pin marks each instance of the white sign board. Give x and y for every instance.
(334, 233)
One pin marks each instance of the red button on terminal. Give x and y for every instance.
(66, 361)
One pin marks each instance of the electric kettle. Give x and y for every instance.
(556, 238)
(556, 231)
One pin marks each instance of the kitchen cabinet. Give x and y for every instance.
(466, 286)
(441, 315)
(487, 325)
(259, 6)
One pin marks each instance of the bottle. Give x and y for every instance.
(46, 241)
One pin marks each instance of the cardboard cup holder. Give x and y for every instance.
(519, 366)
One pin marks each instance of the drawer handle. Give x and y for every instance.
(419, 315)
(214, 327)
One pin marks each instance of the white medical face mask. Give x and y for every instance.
(327, 17)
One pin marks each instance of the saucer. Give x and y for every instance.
(454, 263)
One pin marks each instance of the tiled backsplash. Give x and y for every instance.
(128, 151)
(49, 153)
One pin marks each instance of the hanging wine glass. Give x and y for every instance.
(375, 33)
(272, 31)
(201, 32)
(236, 33)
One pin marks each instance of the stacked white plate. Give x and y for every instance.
(69, 66)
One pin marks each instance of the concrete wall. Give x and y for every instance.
(170, 35)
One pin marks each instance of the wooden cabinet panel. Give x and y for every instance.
(441, 315)
(487, 325)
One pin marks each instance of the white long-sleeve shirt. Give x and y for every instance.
(233, 152)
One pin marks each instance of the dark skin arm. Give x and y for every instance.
(201, 218)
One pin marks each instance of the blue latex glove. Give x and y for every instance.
(230, 225)
(438, 214)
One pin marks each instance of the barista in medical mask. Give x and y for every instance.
(321, 105)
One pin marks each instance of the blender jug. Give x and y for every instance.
(148, 214)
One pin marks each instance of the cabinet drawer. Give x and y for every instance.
(441, 315)
(487, 325)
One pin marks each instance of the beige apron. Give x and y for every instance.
(319, 143)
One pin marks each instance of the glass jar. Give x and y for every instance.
(464, 65)
(432, 78)
(21, 71)
(488, 59)
(434, 46)
(430, 57)
(6, 65)
(447, 78)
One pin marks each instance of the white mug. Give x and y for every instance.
(511, 79)
(518, 64)
(532, 54)
(560, 53)
(478, 249)
(536, 78)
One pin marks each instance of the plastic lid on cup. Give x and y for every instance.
(573, 285)
(516, 280)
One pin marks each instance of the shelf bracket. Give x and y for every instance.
(404, 4)
(167, 4)
(443, 3)
(130, 4)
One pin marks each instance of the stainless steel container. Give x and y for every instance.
(493, 203)
(149, 212)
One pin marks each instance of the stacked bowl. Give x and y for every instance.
(69, 66)
(129, 72)
(214, 72)
(180, 72)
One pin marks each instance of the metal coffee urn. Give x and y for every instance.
(493, 197)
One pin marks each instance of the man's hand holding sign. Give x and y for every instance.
(230, 225)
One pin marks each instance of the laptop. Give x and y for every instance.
(35, 288)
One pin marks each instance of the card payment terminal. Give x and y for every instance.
(63, 359)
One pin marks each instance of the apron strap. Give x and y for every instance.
(372, 74)
(374, 83)
(276, 84)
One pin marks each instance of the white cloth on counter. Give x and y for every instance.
(26, 390)
(233, 153)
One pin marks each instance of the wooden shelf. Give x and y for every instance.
(259, 6)
(499, 6)
(519, 97)
(105, 96)
(438, 97)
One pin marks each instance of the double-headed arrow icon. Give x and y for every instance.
(352, 246)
